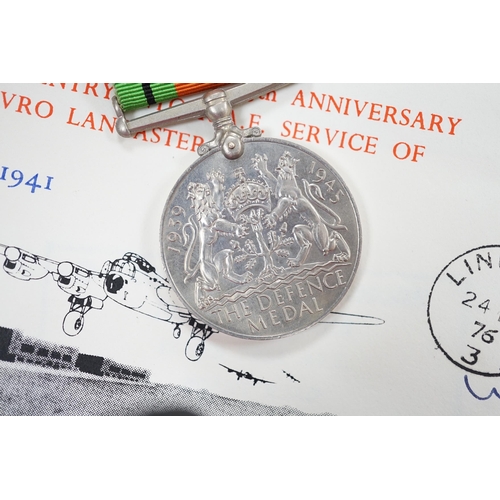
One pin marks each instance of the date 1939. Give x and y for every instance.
(464, 311)
(15, 178)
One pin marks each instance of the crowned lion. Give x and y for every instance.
(291, 198)
(203, 229)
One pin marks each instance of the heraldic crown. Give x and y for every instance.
(246, 194)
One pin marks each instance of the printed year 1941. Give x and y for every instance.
(16, 178)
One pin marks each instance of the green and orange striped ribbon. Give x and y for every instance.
(140, 95)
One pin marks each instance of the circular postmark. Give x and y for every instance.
(463, 310)
(261, 246)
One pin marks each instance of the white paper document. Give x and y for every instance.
(89, 325)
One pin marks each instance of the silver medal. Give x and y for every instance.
(260, 237)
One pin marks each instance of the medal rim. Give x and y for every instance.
(200, 317)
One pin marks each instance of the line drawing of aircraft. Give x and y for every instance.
(247, 375)
(130, 281)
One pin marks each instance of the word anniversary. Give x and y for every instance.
(373, 111)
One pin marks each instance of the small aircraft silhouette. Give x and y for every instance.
(289, 375)
(130, 281)
(247, 375)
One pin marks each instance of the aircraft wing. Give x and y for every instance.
(174, 308)
(255, 380)
(74, 280)
(25, 265)
(181, 312)
(351, 319)
(230, 370)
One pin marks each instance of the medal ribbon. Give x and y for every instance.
(140, 95)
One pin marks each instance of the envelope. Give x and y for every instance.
(90, 323)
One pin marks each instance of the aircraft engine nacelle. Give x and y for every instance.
(72, 279)
(23, 265)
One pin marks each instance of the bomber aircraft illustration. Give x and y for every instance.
(247, 375)
(130, 281)
(290, 376)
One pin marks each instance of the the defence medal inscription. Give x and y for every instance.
(264, 245)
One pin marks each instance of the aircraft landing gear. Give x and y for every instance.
(194, 348)
(74, 319)
(177, 331)
(73, 323)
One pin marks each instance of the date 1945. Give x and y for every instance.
(15, 178)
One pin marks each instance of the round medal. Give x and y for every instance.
(263, 243)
